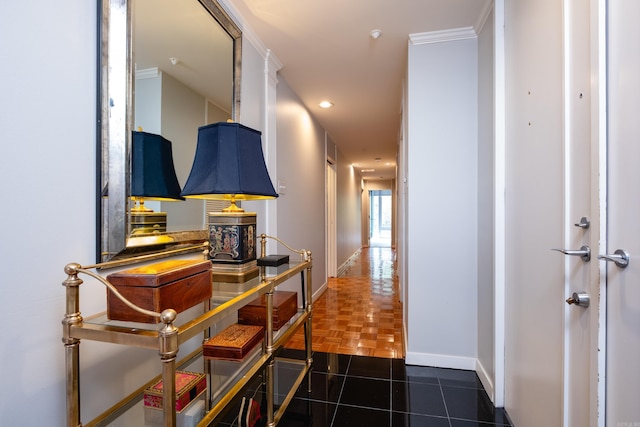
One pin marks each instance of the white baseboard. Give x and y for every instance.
(319, 292)
(486, 381)
(440, 361)
(351, 260)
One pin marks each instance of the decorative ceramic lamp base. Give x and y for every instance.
(232, 239)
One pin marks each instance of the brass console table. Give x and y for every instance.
(169, 336)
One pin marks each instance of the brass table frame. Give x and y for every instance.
(168, 338)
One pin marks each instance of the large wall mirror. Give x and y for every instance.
(167, 67)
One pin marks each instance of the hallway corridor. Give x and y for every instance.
(359, 376)
(360, 312)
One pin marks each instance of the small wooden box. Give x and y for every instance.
(234, 342)
(189, 385)
(285, 306)
(176, 284)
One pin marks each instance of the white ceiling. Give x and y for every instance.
(328, 53)
(185, 31)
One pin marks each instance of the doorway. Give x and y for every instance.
(380, 217)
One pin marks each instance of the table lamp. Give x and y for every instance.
(229, 165)
(153, 177)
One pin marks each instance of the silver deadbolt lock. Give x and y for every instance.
(580, 299)
(584, 223)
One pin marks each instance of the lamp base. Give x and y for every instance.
(235, 273)
(232, 246)
(146, 223)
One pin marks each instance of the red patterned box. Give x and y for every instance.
(189, 385)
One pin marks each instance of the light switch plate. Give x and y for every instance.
(282, 187)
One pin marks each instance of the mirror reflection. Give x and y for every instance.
(183, 80)
(184, 74)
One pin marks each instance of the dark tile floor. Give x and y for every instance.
(351, 390)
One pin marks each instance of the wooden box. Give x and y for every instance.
(176, 284)
(285, 305)
(189, 385)
(234, 342)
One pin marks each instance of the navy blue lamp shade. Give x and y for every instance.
(229, 165)
(152, 172)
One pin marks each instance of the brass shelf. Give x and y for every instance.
(158, 336)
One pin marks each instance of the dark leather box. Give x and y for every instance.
(234, 342)
(273, 260)
(176, 284)
(285, 305)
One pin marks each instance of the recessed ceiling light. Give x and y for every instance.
(367, 170)
(326, 104)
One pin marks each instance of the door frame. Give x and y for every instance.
(500, 205)
(331, 217)
(599, 163)
(596, 144)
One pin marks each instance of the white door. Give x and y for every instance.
(552, 183)
(623, 215)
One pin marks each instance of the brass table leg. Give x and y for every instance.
(72, 345)
(168, 337)
(271, 365)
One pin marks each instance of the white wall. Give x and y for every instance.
(348, 207)
(486, 277)
(301, 164)
(47, 166)
(442, 203)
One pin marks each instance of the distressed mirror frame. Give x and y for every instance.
(114, 126)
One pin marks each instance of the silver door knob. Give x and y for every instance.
(580, 299)
(620, 257)
(584, 252)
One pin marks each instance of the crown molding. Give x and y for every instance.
(443, 36)
(482, 19)
(271, 66)
(147, 73)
